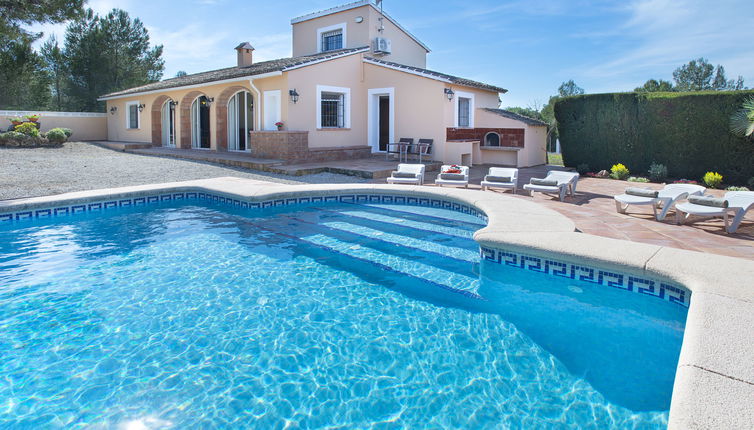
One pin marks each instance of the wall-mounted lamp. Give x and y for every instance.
(173, 104)
(210, 100)
(294, 95)
(113, 110)
(141, 107)
(449, 94)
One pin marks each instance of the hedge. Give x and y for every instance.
(687, 132)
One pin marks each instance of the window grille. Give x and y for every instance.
(333, 110)
(332, 40)
(463, 112)
(133, 116)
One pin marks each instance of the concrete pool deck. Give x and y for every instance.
(714, 384)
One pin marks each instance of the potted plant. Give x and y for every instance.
(32, 118)
(279, 125)
(16, 121)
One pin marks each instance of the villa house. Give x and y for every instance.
(357, 80)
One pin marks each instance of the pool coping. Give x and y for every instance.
(714, 381)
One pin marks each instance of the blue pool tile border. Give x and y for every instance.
(621, 281)
(100, 206)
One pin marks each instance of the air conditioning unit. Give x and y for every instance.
(382, 46)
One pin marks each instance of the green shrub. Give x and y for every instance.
(687, 132)
(737, 189)
(638, 179)
(713, 179)
(68, 132)
(658, 172)
(619, 171)
(11, 135)
(28, 128)
(56, 135)
(582, 168)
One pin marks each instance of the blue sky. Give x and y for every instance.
(528, 47)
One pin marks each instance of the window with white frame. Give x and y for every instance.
(331, 38)
(333, 107)
(132, 115)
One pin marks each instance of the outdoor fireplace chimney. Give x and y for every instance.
(244, 54)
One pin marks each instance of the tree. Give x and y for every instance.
(742, 122)
(23, 81)
(569, 89)
(55, 65)
(180, 74)
(700, 75)
(14, 13)
(653, 86)
(525, 111)
(107, 54)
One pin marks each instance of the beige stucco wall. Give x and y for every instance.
(418, 104)
(85, 125)
(405, 50)
(345, 72)
(421, 109)
(116, 124)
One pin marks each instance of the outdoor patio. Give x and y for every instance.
(593, 211)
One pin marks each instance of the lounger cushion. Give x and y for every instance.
(489, 178)
(544, 182)
(404, 175)
(452, 176)
(642, 192)
(708, 201)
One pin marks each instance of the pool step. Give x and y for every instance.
(471, 256)
(408, 223)
(401, 265)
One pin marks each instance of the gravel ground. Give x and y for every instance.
(31, 172)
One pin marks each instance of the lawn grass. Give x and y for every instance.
(554, 159)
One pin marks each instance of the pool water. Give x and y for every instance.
(331, 315)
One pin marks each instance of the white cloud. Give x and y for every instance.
(669, 33)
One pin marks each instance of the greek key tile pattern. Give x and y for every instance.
(650, 287)
(149, 200)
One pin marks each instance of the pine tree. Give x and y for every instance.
(107, 54)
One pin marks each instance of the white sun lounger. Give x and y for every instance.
(666, 198)
(739, 202)
(501, 172)
(407, 174)
(566, 184)
(456, 182)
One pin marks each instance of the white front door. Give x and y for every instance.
(271, 108)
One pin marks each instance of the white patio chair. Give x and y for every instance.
(666, 198)
(496, 178)
(407, 174)
(454, 179)
(564, 183)
(739, 203)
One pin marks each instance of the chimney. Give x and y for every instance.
(244, 54)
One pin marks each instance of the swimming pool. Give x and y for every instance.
(199, 314)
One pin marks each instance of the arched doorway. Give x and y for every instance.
(200, 123)
(167, 124)
(240, 120)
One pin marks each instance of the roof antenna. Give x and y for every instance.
(382, 26)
